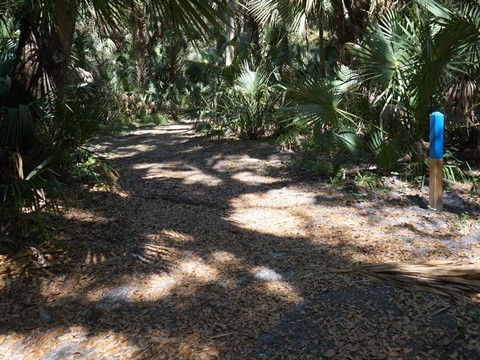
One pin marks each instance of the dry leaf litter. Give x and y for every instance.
(210, 249)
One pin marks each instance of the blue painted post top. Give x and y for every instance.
(437, 124)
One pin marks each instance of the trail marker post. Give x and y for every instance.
(437, 124)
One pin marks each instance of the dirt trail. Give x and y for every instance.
(210, 250)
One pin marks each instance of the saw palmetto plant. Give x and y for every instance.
(45, 118)
(409, 63)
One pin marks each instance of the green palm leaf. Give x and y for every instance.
(14, 124)
(319, 104)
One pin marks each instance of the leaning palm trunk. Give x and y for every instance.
(40, 71)
(43, 55)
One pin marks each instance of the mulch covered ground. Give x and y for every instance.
(211, 250)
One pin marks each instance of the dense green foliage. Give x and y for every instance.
(350, 84)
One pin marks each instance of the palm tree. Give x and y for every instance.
(34, 143)
(405, 67)
(283, 17)
(408, 65)
(47, 31)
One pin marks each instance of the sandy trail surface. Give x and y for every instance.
(209, 249)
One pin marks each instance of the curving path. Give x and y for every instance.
(211, 250)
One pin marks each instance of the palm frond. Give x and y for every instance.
(445, 278)
(187, 14)
(292, 14)
(14, 124)
(38, 191)
(251, 82)
(319, 104)
(8, 42)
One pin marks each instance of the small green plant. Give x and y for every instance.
(154, 119)
(94, 169)
(318, 167)
(244, 106)
(338, 177)
(420, 181)
(416, 169)
(451, 167)
(462, 220)
(368, 181)
(290, 141)
(474, 179)
(209, 130)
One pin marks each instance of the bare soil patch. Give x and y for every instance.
(210, 249)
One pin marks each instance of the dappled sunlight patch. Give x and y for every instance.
(289, 197)
(224, 259)
(133, 150)
(4, 280)
(94, 259)
(177, 129)
(125, 153)
(232, 162)
(248, 201)
(153, 252)
(87, 216)
(178, 170)
(183, 279)
(266, 274)
(111, 342)
(277, 198)
(171, 235)
(157, 286)
(243, 158)
(67, 342)
(106, 294)
(251, 178)
(123, 194)
(147, 166)
(197, 270)
(366, 244)
(197, 177)
(283, 290)
(275, 284)
(278, 222)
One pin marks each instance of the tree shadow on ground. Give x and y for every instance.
(172, 266)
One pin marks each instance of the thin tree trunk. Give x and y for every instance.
(230, 50)
(140, 46)
(321, 41)
(43, 55)
(255, 39)
(286, 66)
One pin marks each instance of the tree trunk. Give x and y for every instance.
(321, 40)
(286, 65)
(230, 50)
(255, 38)
(140, 45)
(43, 55)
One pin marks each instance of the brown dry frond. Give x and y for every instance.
(460, 102)
(439, 277)
(31, 260)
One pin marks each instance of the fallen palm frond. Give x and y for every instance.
(440, 277)
(32, 260)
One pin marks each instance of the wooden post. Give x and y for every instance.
(436, 184)
(437, 122)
